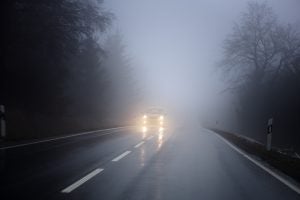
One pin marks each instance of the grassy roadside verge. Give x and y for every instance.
(287, 164)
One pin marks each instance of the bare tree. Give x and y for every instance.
(262, 61)
(259, 45)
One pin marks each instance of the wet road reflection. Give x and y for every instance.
(144, 135)
(142, 156)
(160, 140)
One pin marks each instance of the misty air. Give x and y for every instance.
(153, 100)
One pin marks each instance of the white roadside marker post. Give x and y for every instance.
(2, 121)
(269, 134)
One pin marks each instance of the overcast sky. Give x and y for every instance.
(175, 44)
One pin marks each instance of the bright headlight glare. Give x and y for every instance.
(161, 117)
(145, 116)
(144, 129)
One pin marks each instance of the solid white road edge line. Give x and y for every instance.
(121, 156)
(82, 181)
(270, 171)
(64, 137)
(139, 144)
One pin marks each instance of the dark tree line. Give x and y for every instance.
(121, 89)
(262, 61)
(53, 76)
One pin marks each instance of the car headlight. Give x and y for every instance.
(161, 117)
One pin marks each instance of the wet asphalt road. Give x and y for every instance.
(183, 163)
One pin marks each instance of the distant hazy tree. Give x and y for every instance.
(257, 51)
(50, 63)
(259, 45)
(87, 83)
(38, 37)
(261, 58)
(123, 87)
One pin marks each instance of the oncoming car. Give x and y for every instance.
(153, 120)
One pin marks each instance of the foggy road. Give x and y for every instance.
(183, 163)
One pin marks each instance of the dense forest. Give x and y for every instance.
(262, 64)
(56, 75)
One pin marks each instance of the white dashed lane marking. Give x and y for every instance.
(98, 170)
(149, 138)
(121, 156)
(82, 181)
(139, 144)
